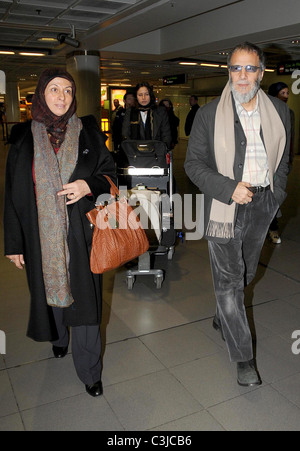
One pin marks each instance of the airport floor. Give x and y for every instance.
(164, 367)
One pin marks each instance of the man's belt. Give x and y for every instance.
(258, 189)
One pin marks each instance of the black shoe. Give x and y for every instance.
(59, 353)
(217, 326)
(95, 389)
(247, 375)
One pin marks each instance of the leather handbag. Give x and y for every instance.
(118, 235)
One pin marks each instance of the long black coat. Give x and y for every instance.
(21, 234)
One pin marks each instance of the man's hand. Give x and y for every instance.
(242, 195)
(75, 191)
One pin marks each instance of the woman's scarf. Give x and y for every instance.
(136, 123)
(221, 221)
(52, 171)
(55, 125)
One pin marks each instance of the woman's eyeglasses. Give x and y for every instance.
(248, 68)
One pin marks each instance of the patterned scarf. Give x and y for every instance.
(221, 221)
(52, 171)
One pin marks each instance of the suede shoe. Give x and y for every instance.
(247, 375)
(59, 353)
(95, 389)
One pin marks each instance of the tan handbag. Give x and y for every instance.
(118, 235)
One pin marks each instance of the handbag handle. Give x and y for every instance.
(113, 189)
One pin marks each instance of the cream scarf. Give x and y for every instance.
(221, 221)
(52, 171)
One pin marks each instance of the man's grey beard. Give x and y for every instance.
(244, 98)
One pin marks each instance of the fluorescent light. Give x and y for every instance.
(209, 65)
(6, 52)
(31, 54)
(269, 70)
(188, 64)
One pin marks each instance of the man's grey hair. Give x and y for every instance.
(248, 47)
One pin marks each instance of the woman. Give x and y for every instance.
(54, 173)
(147, 121)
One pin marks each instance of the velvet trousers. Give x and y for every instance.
(234, 266)
(86, 348)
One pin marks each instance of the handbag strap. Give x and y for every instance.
(113, 189)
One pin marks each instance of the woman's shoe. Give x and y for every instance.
(95, 389)
(59, 353)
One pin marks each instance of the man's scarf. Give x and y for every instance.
(221, 221)
(52, 171)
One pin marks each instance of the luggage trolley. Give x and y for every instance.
(145, 168)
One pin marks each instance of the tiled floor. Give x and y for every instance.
(165, 368)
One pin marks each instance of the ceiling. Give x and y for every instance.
(116, 28)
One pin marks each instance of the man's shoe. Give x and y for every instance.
(217, 326)
(274, 236)
(247, 375)
(59, 353)
(95, 389)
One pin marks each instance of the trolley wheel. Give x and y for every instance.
(171, 252)
(158, 281)
(130, 282)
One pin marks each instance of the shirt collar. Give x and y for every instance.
(241, 110)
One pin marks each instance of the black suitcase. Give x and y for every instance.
(143, 154)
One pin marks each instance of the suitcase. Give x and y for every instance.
(143, 154)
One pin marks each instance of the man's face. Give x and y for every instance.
(244, 85)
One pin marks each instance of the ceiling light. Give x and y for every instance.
(31, 54)
(269, 70)
(47, 39)
(209, 65)
(6, 52)
(186, 63)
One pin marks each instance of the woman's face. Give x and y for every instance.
(59, 95)
(143, 96)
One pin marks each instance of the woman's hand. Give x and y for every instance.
(75, 191)
(18, 260)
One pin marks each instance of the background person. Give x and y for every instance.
(55, 171)
(281, 91)
(146, 121)
(191, 115)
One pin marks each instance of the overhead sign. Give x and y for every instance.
(2, 82)
(288, 68)
(174, 80)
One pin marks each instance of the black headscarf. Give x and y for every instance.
(55, 125)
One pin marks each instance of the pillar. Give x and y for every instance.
(84, 66)
(12, 103)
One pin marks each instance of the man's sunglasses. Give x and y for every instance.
(248, 68)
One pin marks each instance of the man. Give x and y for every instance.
(238, 156)
(191, 115)
(129, 102)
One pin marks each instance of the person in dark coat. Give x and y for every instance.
(191, 115)
(147, 121)
(55, 172)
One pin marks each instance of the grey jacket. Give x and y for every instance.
(200, 164)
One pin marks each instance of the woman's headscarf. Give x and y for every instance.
(55, 125)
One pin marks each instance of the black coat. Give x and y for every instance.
(21, 234)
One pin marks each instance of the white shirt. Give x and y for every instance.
(256, 170)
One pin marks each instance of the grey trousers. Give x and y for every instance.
(234, 266)
(86, 348)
